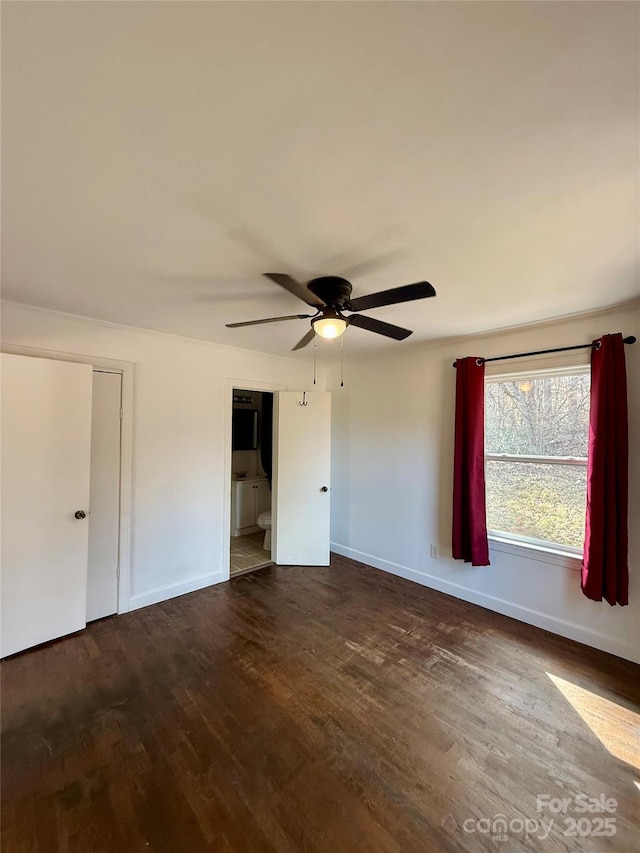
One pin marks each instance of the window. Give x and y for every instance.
(537, 430)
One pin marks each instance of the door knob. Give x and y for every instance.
(80, 513)
(324, 489)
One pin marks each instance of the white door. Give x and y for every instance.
(46, 448)
(104, 498)
(302, 467)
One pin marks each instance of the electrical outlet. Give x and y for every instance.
(435, 552)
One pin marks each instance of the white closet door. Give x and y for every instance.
(46, 448)
(104, 500)
(302, 470)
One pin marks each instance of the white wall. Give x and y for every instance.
(392, 463)
(392, 475)
(181, 398)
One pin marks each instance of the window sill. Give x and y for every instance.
(535, 552)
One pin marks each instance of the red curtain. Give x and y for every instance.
(469, 511)
(605, 571)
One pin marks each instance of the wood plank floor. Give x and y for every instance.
(337, 710)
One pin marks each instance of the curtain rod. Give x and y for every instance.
(631, 339)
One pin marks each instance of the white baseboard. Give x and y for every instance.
(163, 593)
(499, 605)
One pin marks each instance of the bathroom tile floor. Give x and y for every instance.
(248, 554)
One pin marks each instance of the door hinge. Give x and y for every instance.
(118, 572)
(121, 414)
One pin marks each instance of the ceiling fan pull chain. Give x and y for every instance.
(342, 362)
(315, 358)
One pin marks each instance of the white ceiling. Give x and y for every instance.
(158, 157)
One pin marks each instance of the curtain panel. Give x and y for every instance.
(469, 534)
(605, 570)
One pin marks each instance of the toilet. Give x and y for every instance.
(264, 521)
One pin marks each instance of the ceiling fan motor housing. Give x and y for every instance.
(333, 290)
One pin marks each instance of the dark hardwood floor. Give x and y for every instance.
(338, 710)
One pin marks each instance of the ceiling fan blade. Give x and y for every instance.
(304, 341)
(293, 286)
(420, 290)
(268, 320)
(380, 328)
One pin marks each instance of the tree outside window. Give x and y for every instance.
(537, 429)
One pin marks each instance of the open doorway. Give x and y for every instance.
(251, 479)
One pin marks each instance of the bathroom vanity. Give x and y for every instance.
(249, 497)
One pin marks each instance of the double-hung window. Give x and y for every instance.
(537, 430)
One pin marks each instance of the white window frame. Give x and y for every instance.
(512, 543)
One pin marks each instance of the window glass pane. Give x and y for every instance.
(539, 416)
(542, 501)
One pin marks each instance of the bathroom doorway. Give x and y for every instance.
(251, 478)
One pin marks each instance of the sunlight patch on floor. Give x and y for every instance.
(616, 727)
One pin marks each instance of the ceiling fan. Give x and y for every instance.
(331, 295)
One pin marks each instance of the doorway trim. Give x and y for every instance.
(125, 368)
(248, 385)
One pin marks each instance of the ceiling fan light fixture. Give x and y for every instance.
(330, 325)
